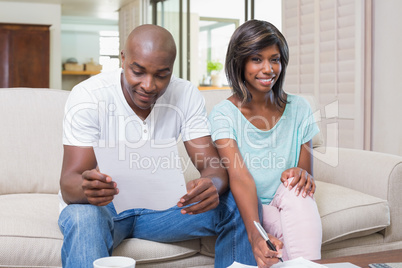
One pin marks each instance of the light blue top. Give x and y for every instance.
(266, 153)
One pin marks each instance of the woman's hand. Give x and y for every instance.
(262, 254)
(302, 180)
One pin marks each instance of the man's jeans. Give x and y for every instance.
(91, 232)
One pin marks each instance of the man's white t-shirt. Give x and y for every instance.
(97, 114)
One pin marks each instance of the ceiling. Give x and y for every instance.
(105, 9)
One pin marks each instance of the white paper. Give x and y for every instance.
(298, 262)
(301, 263)
(148, 175)
(239, 265)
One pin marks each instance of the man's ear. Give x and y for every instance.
(122, 54)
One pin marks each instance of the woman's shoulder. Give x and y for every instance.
(222, 107)
(225, 108)
(298, 102)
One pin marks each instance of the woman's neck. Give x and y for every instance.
(261, 111)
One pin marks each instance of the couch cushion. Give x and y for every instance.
(347, 213)
(144, 251)
(30, 235)
(31, 139)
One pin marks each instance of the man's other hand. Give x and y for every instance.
(202, 193)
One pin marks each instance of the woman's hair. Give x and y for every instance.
(249, 39)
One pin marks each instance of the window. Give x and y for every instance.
(109, 50)
(202, 29)
(327, 59)
(214, 35)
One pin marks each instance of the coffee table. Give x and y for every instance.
(363, 260)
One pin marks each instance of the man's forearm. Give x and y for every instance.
(220, 179)
(71, 189)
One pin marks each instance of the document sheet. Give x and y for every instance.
(299, 263)
(148, 175)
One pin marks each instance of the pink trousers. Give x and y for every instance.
(295, 221)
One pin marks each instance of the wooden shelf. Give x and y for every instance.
(80, 72)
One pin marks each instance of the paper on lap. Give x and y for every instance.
(295, 263)
(148, 174)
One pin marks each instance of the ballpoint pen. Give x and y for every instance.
(265, 236)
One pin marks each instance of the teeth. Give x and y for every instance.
(266, 80)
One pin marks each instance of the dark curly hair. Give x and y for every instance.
(248, 39)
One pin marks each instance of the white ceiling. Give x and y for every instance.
(105, 9)
(92, 8)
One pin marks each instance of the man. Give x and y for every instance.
(155, 106)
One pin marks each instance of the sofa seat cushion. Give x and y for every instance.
(29, 233)
(346, 213)
(30, 215)
(29, 229)
(144, 251)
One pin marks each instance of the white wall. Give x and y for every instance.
(387, 77)
(80, 45)
(80, 40)
(80, 37)
(32, 13)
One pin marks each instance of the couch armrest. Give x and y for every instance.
(372, 173)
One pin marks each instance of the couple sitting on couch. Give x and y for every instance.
(262, 136)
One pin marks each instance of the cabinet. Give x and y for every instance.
(24, 55)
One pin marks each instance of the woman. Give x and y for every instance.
(263, 136)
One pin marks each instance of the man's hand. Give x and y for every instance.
(98, 188)
(262, 254)
(203, 193)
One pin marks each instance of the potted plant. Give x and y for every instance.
(214, 68)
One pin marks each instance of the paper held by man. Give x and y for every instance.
(148, 174)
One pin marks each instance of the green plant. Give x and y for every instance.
(214, 66)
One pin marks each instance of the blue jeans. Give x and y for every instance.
(91, 232)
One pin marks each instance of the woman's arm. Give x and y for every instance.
(244, 191)
(302, 174)
(306, 157)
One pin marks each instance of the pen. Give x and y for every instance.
(265, 236)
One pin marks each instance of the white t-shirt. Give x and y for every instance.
(97, 114)
(97, 110)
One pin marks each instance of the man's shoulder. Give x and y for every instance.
(101, 81)
(181, 89)
(179, 85)
(99, 86)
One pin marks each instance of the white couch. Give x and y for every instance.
(359, 198)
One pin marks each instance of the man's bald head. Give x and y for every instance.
(147, 62)
(150, 38)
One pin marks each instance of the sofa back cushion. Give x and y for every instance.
(31, 139)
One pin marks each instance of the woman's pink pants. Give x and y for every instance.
(295, 221)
